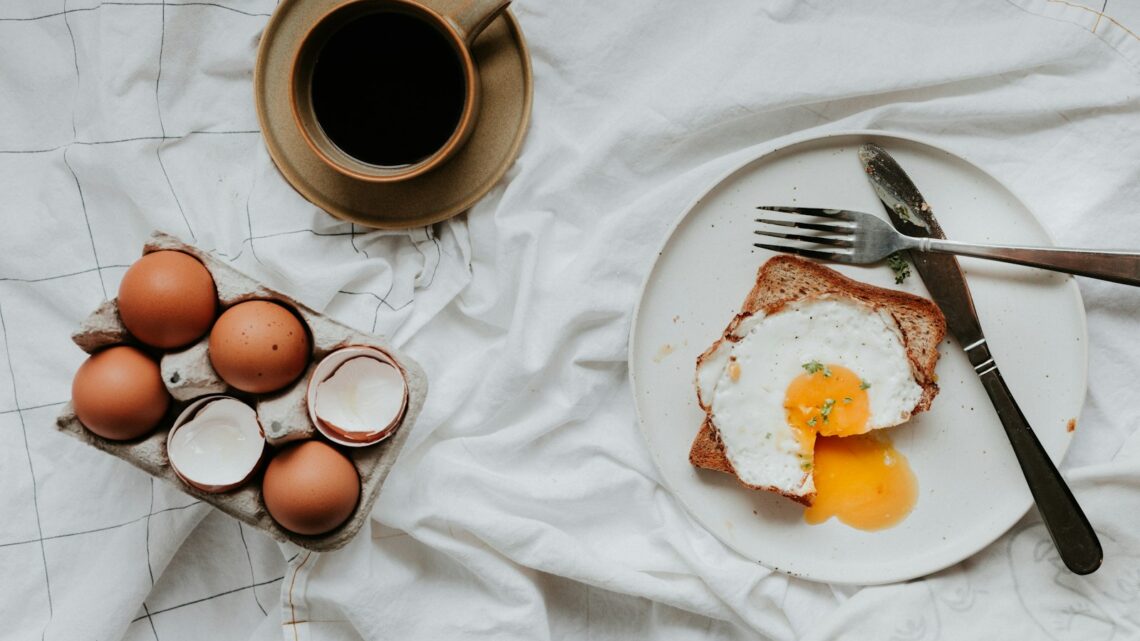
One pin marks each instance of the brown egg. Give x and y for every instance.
(259, 346)
(118, 393)
(310, 488)
(167, 299)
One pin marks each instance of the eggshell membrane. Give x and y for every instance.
(216, 443)
(259, 346)
(326, 369)
(310, 488)
(167, 299)
(118, 393)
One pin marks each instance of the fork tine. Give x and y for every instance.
(841, 214)
(822, 240)
(809, 253)
(835, 229)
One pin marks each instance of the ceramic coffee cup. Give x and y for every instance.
(387, 90)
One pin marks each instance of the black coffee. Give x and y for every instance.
(388, 89)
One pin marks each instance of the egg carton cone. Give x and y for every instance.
(283, 415)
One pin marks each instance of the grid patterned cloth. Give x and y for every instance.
(525, 504)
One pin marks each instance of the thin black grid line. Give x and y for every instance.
(382, 302)
(249, 557)
(416, 246)
(162, 126)
(14, 279)
(150, 620)
(87, 220)
(31, 469)
(67, 11)
(249, 219)
(192, 4)
(352, 227)
(149, 566)
(149, 513)
(75, 60)
(195, 132)
(438, 254)
(31, 407)
(98, 529)
(249, 240)
(208, 598)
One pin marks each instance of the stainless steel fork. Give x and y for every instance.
(858, 237)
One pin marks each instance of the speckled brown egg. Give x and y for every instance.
(310, 488)
(118, 393)
(259, 346)
(167, 299)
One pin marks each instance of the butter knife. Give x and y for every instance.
(1073, 536)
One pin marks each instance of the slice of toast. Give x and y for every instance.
(785, 279)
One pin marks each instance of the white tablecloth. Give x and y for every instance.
(525, 505)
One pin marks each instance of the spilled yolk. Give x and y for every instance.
(863, 480)
(831, 401)
(859, 478)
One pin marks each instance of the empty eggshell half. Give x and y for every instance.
(216, 444)
(357, 396)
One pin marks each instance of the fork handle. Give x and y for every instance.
(1116, 266)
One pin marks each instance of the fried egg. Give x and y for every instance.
(862, 480)
(829, 367)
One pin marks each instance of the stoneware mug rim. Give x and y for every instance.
(301, 76)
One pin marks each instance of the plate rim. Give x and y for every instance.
(770, 148)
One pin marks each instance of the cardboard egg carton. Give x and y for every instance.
(284, 415)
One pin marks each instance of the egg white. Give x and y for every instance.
(771, 350)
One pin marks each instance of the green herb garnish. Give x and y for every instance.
(816, 366)
(864, 385)
(847, 399)
(825, 411)
(899, 266)
(812, 421)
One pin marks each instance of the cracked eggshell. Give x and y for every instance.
(358, 396)
(216, 444)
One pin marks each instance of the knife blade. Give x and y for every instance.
(911, 214)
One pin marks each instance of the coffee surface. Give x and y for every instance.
(388, 89)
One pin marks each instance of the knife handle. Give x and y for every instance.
(1116, 266)
(1073, 536)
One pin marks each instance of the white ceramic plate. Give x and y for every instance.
(970, 487)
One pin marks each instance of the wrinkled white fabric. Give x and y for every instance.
(525, 504)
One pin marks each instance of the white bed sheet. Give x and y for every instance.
(525, 505)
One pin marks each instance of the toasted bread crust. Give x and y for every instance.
(708, 452)
(784, 279)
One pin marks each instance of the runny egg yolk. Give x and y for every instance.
(859, 478)
(863, 480)
(830, 400)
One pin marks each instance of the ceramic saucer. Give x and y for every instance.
(504, 69)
